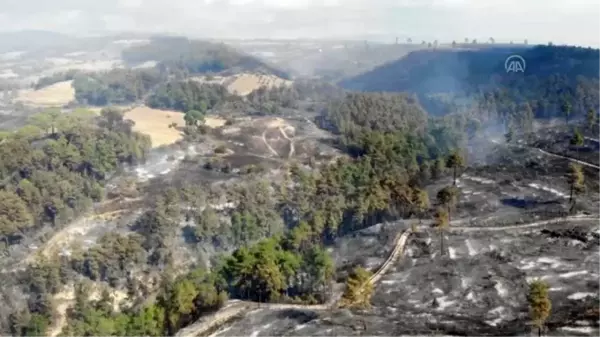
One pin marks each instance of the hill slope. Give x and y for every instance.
(553, 75)
(196, 57)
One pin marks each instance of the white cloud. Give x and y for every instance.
(564, 21)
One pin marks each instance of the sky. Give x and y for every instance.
(574, 22)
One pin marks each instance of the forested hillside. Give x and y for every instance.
(54, 168)
(282, 229)
(195, 57)
(118, 86)
(557, 80)
(187, 95)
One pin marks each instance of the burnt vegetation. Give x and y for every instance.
(395, 145)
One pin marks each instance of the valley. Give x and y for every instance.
(220, 194)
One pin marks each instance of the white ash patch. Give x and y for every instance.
(580, 296)
(573, 274)
(501, 289)
(548, 189)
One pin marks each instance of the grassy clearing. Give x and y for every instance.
(243, 84)
(155, 123)
(57, 94)
(214, 122)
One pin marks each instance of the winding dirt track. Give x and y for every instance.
(292, 149)
(264, 138)
(237, 308)
(568, 158)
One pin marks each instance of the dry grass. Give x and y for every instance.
(155, 123)
(57, 94)
(214, 122)
(274, 123)
(243, 84)
(246, 83)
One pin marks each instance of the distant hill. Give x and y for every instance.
(27, 40)
(553, 75)
(435, 71)
(327, 60)
(196, 57)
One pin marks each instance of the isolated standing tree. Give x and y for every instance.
(566, 110)
(527, 118)
(576, 179)
(577, 139)
(492, 41)
(509, 135)
(447, 197)
(453, 44)
(539, 304)
(420, 202)
(591, 120)
(438, 168)
(358, 289)
(456, 162)
(442, 223)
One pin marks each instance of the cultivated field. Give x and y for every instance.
(155, 123)
(57, 94)
(243, 84)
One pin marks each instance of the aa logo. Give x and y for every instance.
(515, 64)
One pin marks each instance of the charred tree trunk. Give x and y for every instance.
(442, 242)
(454, 176)
(571, 193)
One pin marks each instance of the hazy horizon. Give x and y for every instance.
(574, 22)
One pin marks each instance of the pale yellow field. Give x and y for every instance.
(57, 94)
(214, 122)
(155, 123)
(243, 84)
(246, 83)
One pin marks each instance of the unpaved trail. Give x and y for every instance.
(592, 139)
(236, 308)
(568, 158)
(552, 154)
(529, 225)
(291, 153)
(264, 138)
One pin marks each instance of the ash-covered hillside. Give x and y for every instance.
(367, 212)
